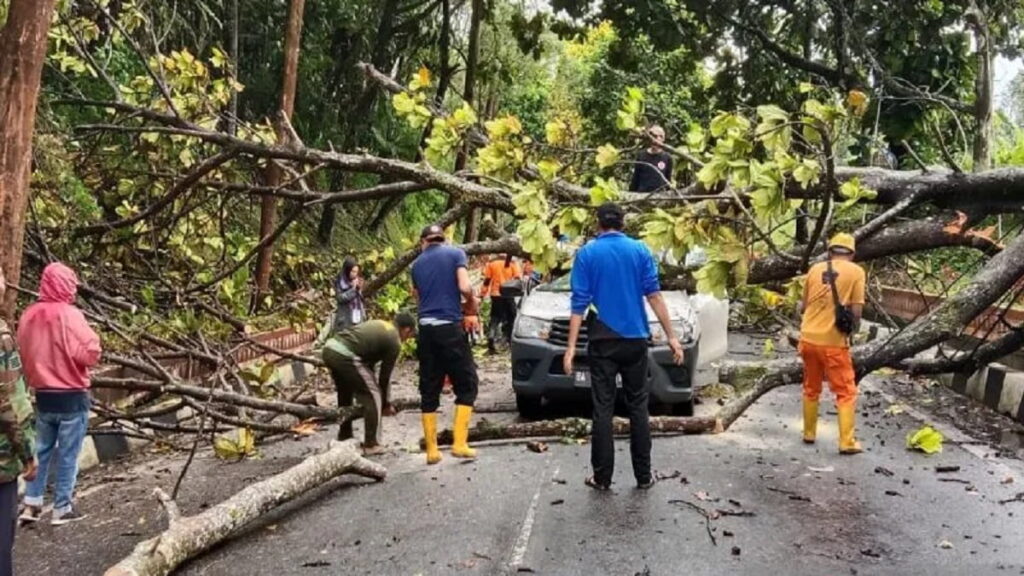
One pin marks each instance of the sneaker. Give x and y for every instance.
(30, 514)
(647, 485)
(72, 515)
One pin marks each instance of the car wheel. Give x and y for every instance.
(529, 406)
(683, 408)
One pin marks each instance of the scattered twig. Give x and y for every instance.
(707, 517)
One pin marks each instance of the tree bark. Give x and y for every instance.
(580, 428)
(469, 94)
(268, 205)
(233, 25)
(302, 411)
(187, 537)
(23, 42)
(977, 18)
(364, 105)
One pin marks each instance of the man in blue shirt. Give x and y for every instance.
(441, 281)
(611, 277)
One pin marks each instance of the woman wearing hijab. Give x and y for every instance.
(348, 289)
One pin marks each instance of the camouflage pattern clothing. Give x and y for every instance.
(17, 422)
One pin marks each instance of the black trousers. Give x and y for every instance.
(445, 350)
(353, 379)
(503, 316)
(8, 521)
(627, 358)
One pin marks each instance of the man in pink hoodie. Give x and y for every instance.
(57, 349)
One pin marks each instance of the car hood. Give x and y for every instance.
(547, 305)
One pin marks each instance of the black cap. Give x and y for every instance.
(405, 320)
(432, 232)
(610, 215)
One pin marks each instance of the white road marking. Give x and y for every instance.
(523, 541)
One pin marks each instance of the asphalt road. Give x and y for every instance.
(753, 500)
(812, 511)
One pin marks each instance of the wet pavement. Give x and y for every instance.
(751, 500)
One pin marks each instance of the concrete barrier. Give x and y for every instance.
(996, 386)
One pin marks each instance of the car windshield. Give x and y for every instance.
(558, 285)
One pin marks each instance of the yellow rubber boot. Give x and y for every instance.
(430, 437)
(460, 433)
(847, 417)
(810, 420)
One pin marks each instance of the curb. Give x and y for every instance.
(996, 386)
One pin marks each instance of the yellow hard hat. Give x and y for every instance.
(843, 240)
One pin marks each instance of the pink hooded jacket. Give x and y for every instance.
(57, 345)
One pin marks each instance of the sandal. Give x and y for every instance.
(590, 481)
(374, 450)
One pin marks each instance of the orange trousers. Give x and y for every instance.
(832, 363)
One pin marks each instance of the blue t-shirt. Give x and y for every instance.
(615, 273)
(434, 277)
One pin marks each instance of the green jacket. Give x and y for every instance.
(17, 420)
(373, 342)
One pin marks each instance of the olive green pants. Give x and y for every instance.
(353, 379)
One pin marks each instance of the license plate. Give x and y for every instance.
(582, 377)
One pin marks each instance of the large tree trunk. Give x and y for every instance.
(364, 105)
(580, 428)
(268, 205)
(233, 25)
(192, 535)
(469, 93)
(977, 17)
(22, 52)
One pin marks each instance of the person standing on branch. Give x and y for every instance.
(351, 356)
(832, 305)
(503, 310)
(611, 277)
(57, 349)
(17, 438)
(653, 169)
(441, 281)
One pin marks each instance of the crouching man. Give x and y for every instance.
(351, 356)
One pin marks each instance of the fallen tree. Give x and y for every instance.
(189, 536)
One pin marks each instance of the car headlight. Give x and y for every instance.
(529, 327)
(680, 327)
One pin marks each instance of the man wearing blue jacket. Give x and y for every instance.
(611, 277)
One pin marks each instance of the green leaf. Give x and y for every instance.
(806, 172)
(925, 439)
(548, 168)
(712, 172)
(624, 121)
(713, 278)
(607, 155)
(235, 445)
(464, 116)
(805, 87)
(772, 113)
(604, 190)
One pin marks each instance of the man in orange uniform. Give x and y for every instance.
(503, 310)
(824, 348)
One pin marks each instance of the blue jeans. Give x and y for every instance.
(59, 436)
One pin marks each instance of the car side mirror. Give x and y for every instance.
(511, 289)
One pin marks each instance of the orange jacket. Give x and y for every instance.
(497, 273)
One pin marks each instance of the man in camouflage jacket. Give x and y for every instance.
(17, 436)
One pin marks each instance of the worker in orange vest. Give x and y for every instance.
(503, 309)
(832, 304)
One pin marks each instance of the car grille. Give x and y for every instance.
(560, 334)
